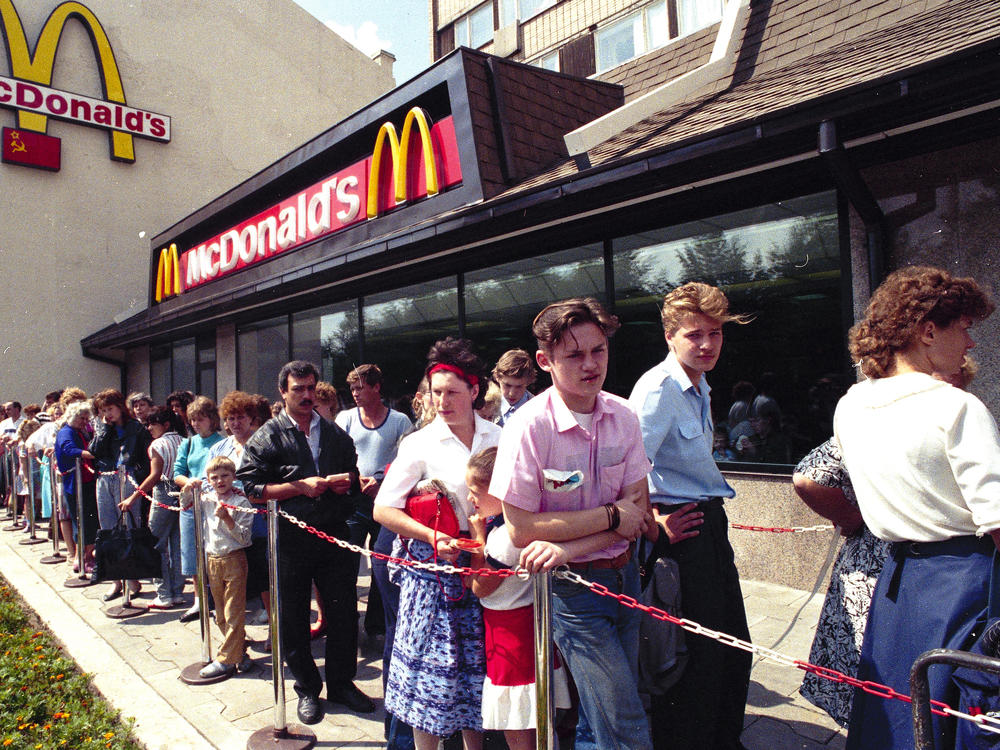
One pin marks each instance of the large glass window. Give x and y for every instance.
(401, 325)
(779, 263)
(632, 36)
(159, 373)
(329, 338)
(261, 351)
(521, 10)
(205, 359)
(183, 370)
(502, 301)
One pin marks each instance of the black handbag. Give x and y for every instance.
(126, 552)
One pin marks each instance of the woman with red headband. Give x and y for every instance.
(435, 675)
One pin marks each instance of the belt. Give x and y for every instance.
(605, 563)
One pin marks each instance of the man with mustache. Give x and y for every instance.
(310, 465)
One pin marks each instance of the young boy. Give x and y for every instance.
(704, 710)
(514, 372)
(227, 534)
(571, 464)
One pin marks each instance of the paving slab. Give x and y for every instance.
(136, 664)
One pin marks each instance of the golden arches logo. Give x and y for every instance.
(37, 67)
(399, 149)
(168, 274)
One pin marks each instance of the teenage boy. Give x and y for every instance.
(376, 431)
(704, 710)
(227, 535)
(514, 372)
(570, 464)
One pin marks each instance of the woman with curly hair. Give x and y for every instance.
(435, 674)
(924, 459)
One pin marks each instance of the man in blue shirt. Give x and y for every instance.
(514, 372)
(705, 709)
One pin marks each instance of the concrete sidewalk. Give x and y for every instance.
(136, 662)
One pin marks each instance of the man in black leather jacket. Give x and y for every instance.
(310, 465)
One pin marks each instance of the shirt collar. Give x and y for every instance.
(289, 423)
(439, 430)
(672, 367)
(564, 418)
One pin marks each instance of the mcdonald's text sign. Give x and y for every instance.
(29, 89)
(420, 162)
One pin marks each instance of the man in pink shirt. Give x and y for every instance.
(571, 465)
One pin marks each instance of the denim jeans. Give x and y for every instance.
(165, 526)
(189, 555)
(599, 639)
(108, 497)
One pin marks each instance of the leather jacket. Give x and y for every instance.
(279, 452)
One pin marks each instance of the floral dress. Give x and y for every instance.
(841, 627)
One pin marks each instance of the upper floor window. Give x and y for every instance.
(476, 28)
(697, 14)
(549, 61)
(521, 10)
(632, 36)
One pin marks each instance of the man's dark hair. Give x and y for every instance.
(300, 369)
(368, 374)
(16, 405)
(53, 396)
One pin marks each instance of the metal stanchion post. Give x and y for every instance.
(12, 485)
(544, 721)
(83, 577)
(281, 735)
(57, 505)
(125, 609)
(30, 471)
(190, 674)
(8, 484)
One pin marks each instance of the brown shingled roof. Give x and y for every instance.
(886, 47)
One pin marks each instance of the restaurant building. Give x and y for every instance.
(792, 152)
(119, 118)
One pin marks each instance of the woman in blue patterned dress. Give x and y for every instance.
(437, 666)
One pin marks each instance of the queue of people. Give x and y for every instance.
(572, 476)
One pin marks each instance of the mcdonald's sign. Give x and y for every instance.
(423, 161)
(29, 89)
(168, 274)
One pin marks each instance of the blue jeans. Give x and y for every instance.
(189, 555)
(108, 497)
(165, 526)
(599, 639)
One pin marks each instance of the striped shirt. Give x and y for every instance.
(165, 447)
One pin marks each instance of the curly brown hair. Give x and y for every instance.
(905, 301)
(238, 402)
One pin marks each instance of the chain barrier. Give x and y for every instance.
(940, 708)
(782, 530)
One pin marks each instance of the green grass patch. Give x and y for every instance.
(45, 701)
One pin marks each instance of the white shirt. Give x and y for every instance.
(923, 456)
(312, 438)
(435, 453)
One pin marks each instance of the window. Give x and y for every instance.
(515, 10)
(401, 325)
(632, 36)
(329, 338)
(476, 28)
(502, 301)
(780, 263)
(549, 61)
(187, 364)
(697, 14)
(159, 373)
(261, 352)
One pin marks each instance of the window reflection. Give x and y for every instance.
(262, 350)
(401, 325)
(328, 337)
(780, 263)
(502, 301)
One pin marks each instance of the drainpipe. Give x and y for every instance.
(850, 182)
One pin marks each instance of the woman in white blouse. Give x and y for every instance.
(435, 675)
(924, 459)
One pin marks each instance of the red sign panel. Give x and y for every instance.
(31, 149)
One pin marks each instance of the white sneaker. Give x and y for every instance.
(216, 669)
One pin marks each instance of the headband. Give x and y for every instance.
(467, 377)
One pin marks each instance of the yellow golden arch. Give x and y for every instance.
(168, 273)
(37, 67)
(399, 149)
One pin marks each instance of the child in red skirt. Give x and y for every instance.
(508, 612)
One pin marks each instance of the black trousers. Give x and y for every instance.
(301, 563)
(704, 710)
